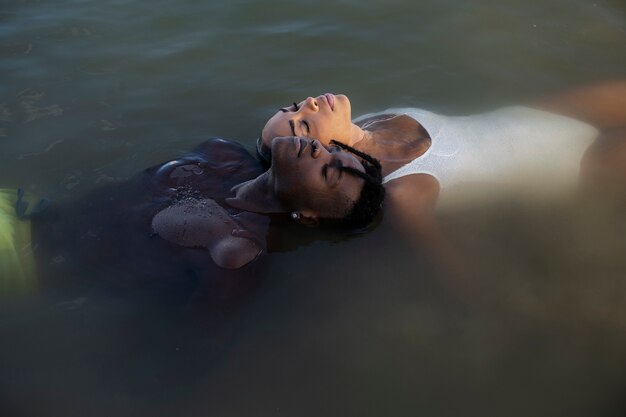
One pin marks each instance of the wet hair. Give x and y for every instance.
(371, 197)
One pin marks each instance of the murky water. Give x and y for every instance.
(94, 92)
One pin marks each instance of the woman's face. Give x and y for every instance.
(309, 178)
(324, 118)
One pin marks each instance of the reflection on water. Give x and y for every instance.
(92, 93)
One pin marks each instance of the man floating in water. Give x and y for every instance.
(190, 218)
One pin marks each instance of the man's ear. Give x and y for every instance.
(305, 218)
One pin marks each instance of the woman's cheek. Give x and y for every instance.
(324, 139)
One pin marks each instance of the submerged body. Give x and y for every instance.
(573, 138)
(108, 237)
(422, 153)
(189, 219)
(509, 145)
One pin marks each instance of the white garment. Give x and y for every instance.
(504, 146)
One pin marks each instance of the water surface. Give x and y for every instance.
(94, 92)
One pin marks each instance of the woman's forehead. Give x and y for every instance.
(277, 126)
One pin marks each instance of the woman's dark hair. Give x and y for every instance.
(372, 195)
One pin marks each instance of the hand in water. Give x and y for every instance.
(205, 224)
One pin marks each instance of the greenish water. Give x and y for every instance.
(92, 92)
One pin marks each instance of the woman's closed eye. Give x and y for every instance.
(303, 127)
(294, 107)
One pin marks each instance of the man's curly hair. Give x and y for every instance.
(372, 195)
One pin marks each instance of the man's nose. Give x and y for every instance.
(318, 149)
(311, 103)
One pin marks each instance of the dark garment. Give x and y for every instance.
(106, 237)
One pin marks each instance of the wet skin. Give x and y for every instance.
(392, 139)
(411, 200)
(324, 118)
(309, 177)
(305, 178)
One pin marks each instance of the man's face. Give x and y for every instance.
(309, 178)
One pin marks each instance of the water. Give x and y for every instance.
(93, 92)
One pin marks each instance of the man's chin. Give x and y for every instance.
(282, 149)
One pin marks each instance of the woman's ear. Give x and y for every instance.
(305, 219)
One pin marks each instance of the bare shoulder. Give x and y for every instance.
(411, 200)
(413, 189)
(375, 119)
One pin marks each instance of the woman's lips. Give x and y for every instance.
(331, 100)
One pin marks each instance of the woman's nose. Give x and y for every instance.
(311, 103)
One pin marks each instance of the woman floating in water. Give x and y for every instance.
(187, 216)
(424, 154)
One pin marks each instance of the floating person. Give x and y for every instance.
(189, 219)
(578, 134)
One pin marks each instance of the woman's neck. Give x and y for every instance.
(358, 135)
(392, 139)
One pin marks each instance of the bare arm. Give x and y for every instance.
(602, 105)
(410, 209)
(205, 224)
(410, 204)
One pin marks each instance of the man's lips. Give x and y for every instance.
(301, 144)
(297, 144)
